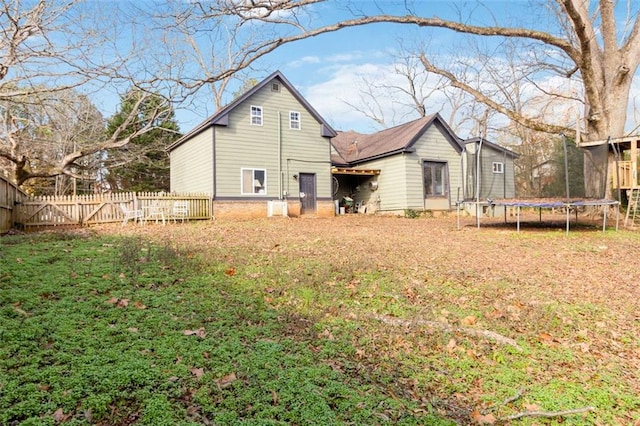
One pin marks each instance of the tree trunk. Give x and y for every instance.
(606, 119)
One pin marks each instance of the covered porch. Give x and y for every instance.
(354, 189)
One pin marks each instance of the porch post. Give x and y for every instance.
(634, 163)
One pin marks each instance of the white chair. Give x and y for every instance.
(154, 211)
(135, 214)
(180, 210)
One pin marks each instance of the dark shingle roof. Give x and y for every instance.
(492, 145)
(356, 147)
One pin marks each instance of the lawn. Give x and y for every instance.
(351, 320)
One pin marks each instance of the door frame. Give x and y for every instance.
(313, 197)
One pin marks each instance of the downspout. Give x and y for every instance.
(478, 151)
(215, 170)
(280, 197)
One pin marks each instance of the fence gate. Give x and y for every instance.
(101, 208)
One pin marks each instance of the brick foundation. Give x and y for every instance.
(258, 209)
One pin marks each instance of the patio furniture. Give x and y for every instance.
(135, 214)
(155, 211)
(179, 211)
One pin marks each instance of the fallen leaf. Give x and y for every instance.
(483, 419)
(545, 337)
(230, 272)
(201, 333)
(451, 346)
(59, 416)
(532, 407)
(470, 320)
(20, 311)
(198, 372)
(327, 334)
(139, 305)
(19, 260)
(123, 303)
(133, 329)
(226, 381)
(274, 396)
(173, 379)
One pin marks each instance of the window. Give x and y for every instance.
(497, 167)
(275, 87)
(435, 179)
(256, 115)
(294, 120)
(254, 181)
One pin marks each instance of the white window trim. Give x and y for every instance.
(251, 116)
(299, 121)
(253, 170)
(497, 167)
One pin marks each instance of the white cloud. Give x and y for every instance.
(305, 60)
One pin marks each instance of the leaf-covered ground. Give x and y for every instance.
(573, 302)
(473, 325)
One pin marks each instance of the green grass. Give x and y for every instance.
(72, 349)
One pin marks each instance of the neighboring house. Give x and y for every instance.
(497, 174)
(413, 166)
(496, 170)
(267, 150)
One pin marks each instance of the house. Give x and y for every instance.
(495, 168)
(494, 165)
(413, 166)
(267, 152)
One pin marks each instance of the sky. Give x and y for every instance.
(328, 70)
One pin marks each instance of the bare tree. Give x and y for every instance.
(585, 42)
(47, 48)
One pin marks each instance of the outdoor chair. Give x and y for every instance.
(135, 214)
(179, 211)
(154, 211)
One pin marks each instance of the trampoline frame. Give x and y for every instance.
(567, 205)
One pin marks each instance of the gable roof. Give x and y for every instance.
(221, 117)
(492, 145)
(354, 147)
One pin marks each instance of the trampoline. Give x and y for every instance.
(550, 203)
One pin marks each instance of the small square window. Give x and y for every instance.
(294, 120)
(256, 115)
(254, 181)
(497, 167)
(275, 87)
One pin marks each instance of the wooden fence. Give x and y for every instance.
(10, 196)
(102, 208)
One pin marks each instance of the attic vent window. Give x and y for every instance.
(275, 87)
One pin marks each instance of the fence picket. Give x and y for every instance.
(102, 208)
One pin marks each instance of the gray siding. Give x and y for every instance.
(492, 185)
(391, 195)
(192, 165)
(400, 182)
(242, 145)
(434, 146)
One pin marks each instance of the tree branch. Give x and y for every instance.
(481, 97)
(546, 414)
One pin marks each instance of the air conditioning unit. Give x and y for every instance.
(277, 208)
